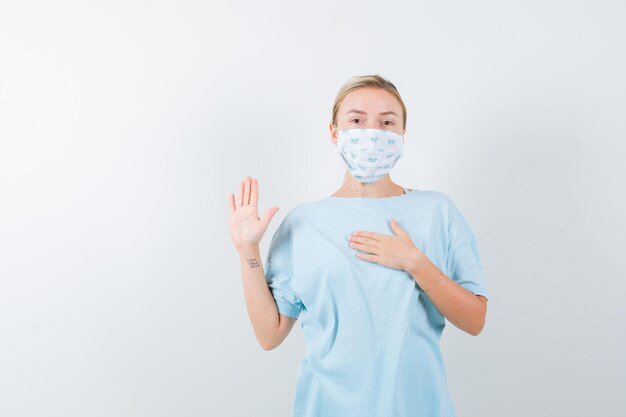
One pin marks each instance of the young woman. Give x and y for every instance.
(372, 271)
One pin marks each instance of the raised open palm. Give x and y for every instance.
(246, 227)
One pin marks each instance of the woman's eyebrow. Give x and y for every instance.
(363, 112)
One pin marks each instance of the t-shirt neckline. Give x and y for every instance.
(390, 198)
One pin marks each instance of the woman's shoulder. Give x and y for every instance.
(299, 211)
(432, 196)
(438, 201)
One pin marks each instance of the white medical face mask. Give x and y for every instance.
(369, 153)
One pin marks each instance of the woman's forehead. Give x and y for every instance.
(370, 101)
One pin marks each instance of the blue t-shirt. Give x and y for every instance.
(371, 334)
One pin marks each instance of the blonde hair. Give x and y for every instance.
(362, 81)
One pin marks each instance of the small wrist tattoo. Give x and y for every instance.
(253, 263)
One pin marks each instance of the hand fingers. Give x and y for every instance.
(369, 257)
(254, 195)
(364, 247)
(363, 239)
(397, 229)
(231, 202)
(269, 214)
(240, 195)
(246, 192)
(370, 235)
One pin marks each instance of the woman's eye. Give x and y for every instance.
(390, 122)
(354, 120)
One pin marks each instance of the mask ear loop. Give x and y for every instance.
(346, 174)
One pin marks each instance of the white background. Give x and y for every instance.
(125, 125)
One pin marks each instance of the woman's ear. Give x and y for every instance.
(333, 133)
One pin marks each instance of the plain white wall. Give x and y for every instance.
(125, 125)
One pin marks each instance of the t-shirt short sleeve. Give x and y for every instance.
(279, 272)
(463, 263)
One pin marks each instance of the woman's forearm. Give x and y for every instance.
(260, 303)
(457, 304)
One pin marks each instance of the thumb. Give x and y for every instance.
(269, 214)
(396, 228)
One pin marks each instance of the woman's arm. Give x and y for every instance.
(270, 327)
(462, 307)
(247, 229)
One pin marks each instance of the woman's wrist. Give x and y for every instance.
(416, 262)
(423, 270)
(249, 251)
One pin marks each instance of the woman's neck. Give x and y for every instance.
(381, 188)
